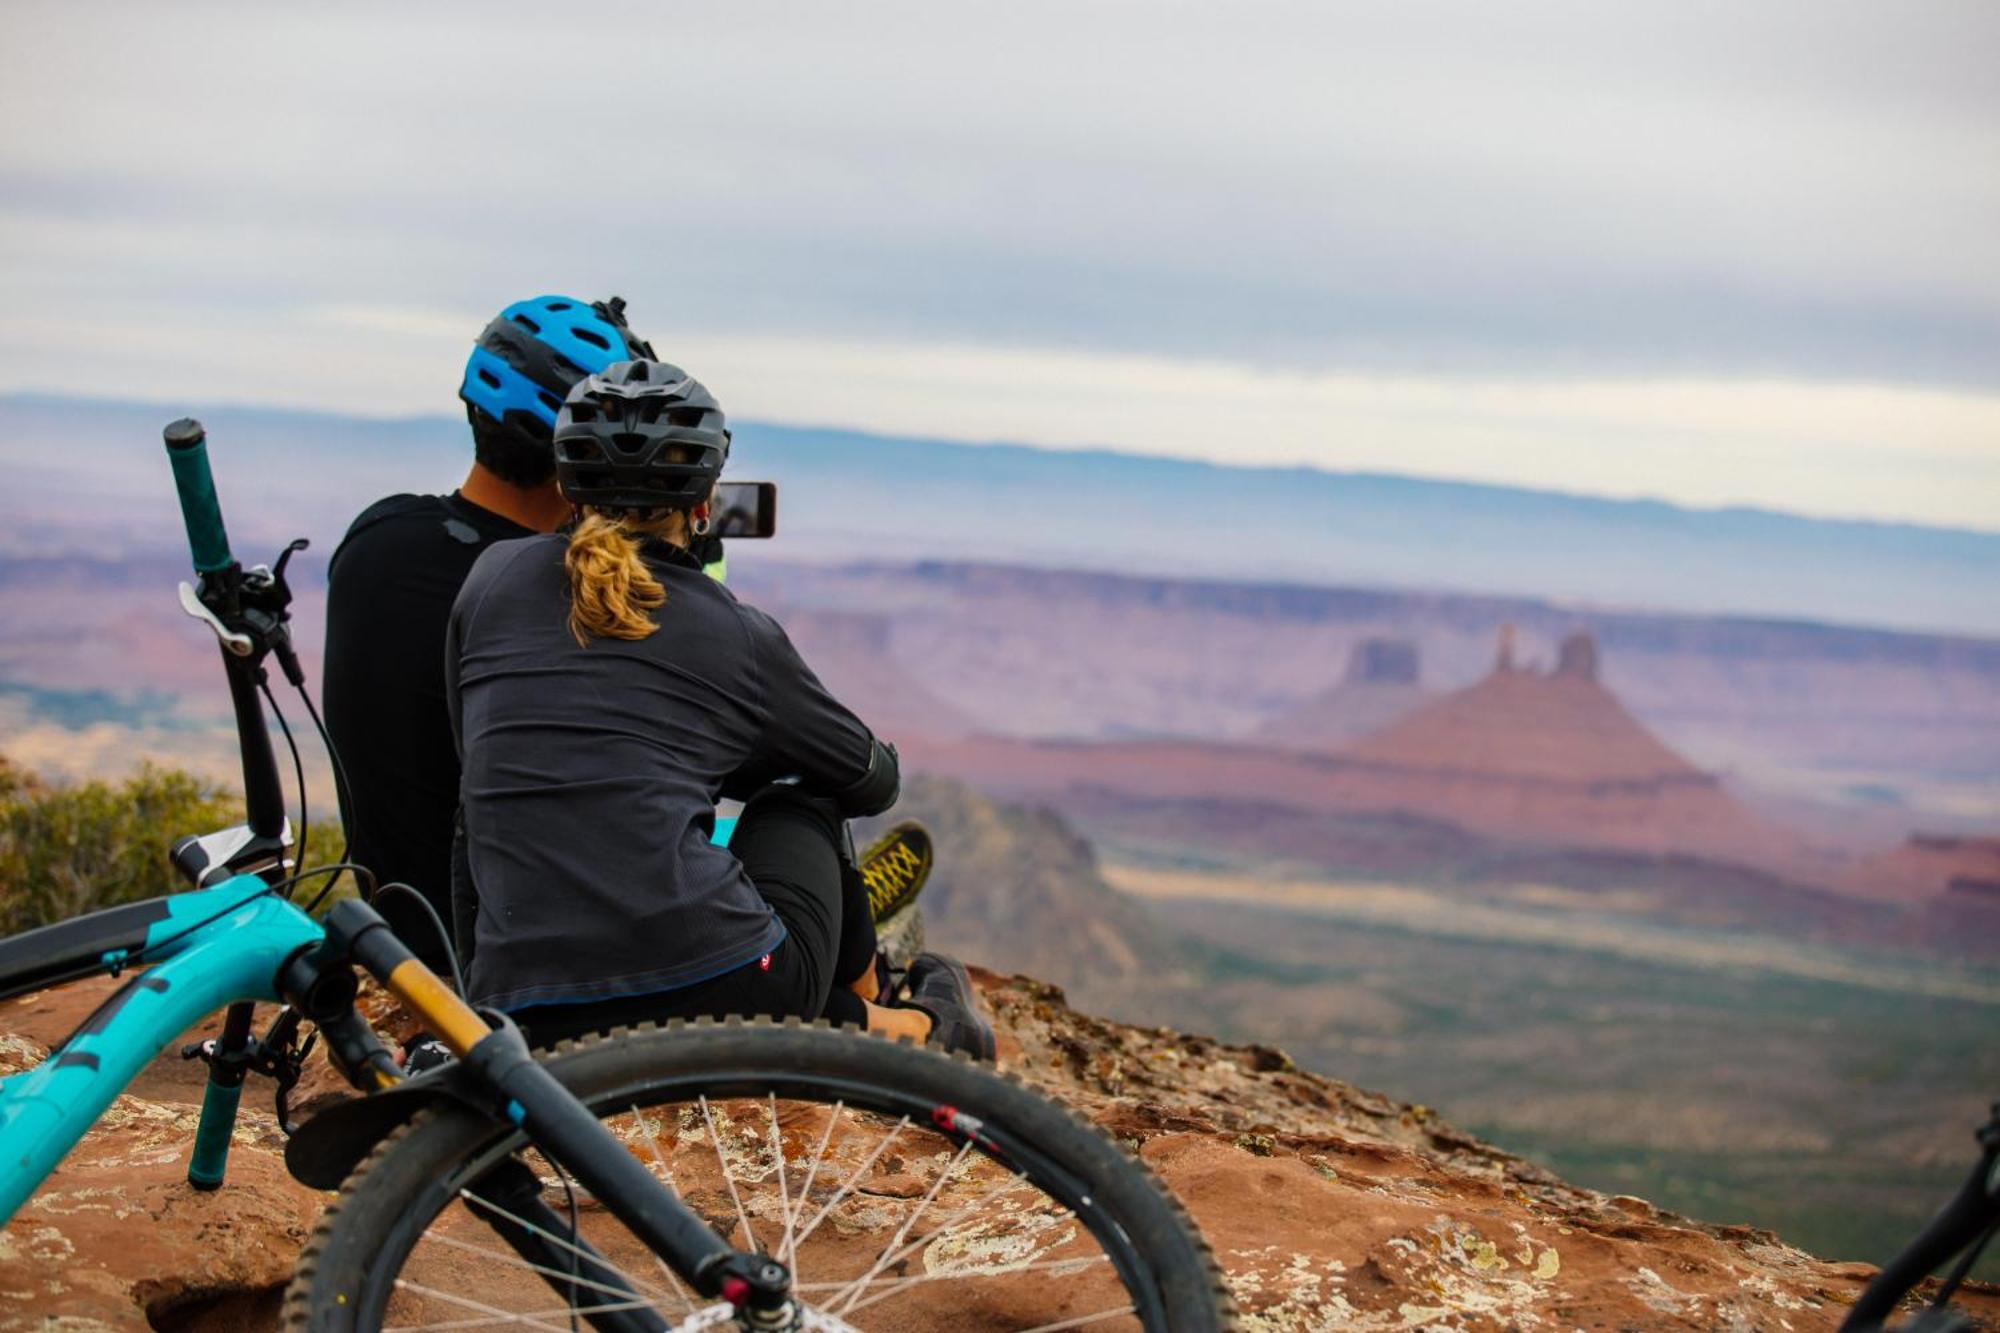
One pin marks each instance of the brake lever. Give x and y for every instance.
(232, 641)
(285, 557)
(268, 597)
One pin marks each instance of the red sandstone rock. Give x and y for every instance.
(1522, 756)
(1380, 687)
(852, 654)
(1329, 1207)
(1931, 866)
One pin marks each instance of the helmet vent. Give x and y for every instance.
(488, 378)
(527, 324)
(549, 400)
(591, 336)
(639, 434)
(559, 305)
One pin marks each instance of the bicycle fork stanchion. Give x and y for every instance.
(219, 1101)
(564, 1129)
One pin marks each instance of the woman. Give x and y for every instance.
(604, 693)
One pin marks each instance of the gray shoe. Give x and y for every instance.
(938, 986)
(901, 937)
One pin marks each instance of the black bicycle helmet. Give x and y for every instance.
(640, 435)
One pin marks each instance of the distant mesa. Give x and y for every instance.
(1522, 724)
(853, 654)
(1524, 756)
(1380, 686)
(1931, 866)
(1577, 657)
(1382, 662)
(1554, 756)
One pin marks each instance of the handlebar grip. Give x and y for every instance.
(187, 450)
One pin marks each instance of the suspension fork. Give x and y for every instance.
(562, 1127)
(264, 800)
(544, 1239)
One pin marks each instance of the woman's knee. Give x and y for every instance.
(790, 803)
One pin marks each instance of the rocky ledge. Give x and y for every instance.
(1329, 1207)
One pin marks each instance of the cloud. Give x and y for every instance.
(1435, 193)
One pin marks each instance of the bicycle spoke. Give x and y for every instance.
(883, 1260)
(451, 1325)
(516, 1260)
(660, 1158)
(493, 1313)
(964, 1274)
(805, 1191)
(554, 1239)
(1064, 1267)
(1020, 1182)
(784, 1197)
(847, 1186)
(729, 1177)
(1080, 1321)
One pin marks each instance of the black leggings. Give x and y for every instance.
(795, 850)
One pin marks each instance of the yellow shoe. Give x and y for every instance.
(894, 869)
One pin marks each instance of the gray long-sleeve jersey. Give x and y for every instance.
(591, 772)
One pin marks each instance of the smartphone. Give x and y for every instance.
(746, 509)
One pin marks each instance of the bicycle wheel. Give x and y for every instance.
(817, 1146)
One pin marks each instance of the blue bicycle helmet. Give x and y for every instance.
(533, 351)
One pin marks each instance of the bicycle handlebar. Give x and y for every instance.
(187, 450)
(264, 797)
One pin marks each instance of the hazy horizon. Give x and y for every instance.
(869, 496)
(444, 481)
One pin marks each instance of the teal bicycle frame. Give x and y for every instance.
(209, 948)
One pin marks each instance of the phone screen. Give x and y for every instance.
(746, 509)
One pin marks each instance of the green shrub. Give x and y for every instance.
(69, 849)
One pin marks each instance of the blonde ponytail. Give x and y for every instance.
(611, 592)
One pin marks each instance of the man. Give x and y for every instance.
(393, 579)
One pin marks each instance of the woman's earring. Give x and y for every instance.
(700, 524)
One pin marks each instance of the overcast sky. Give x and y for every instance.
(1717, 253)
